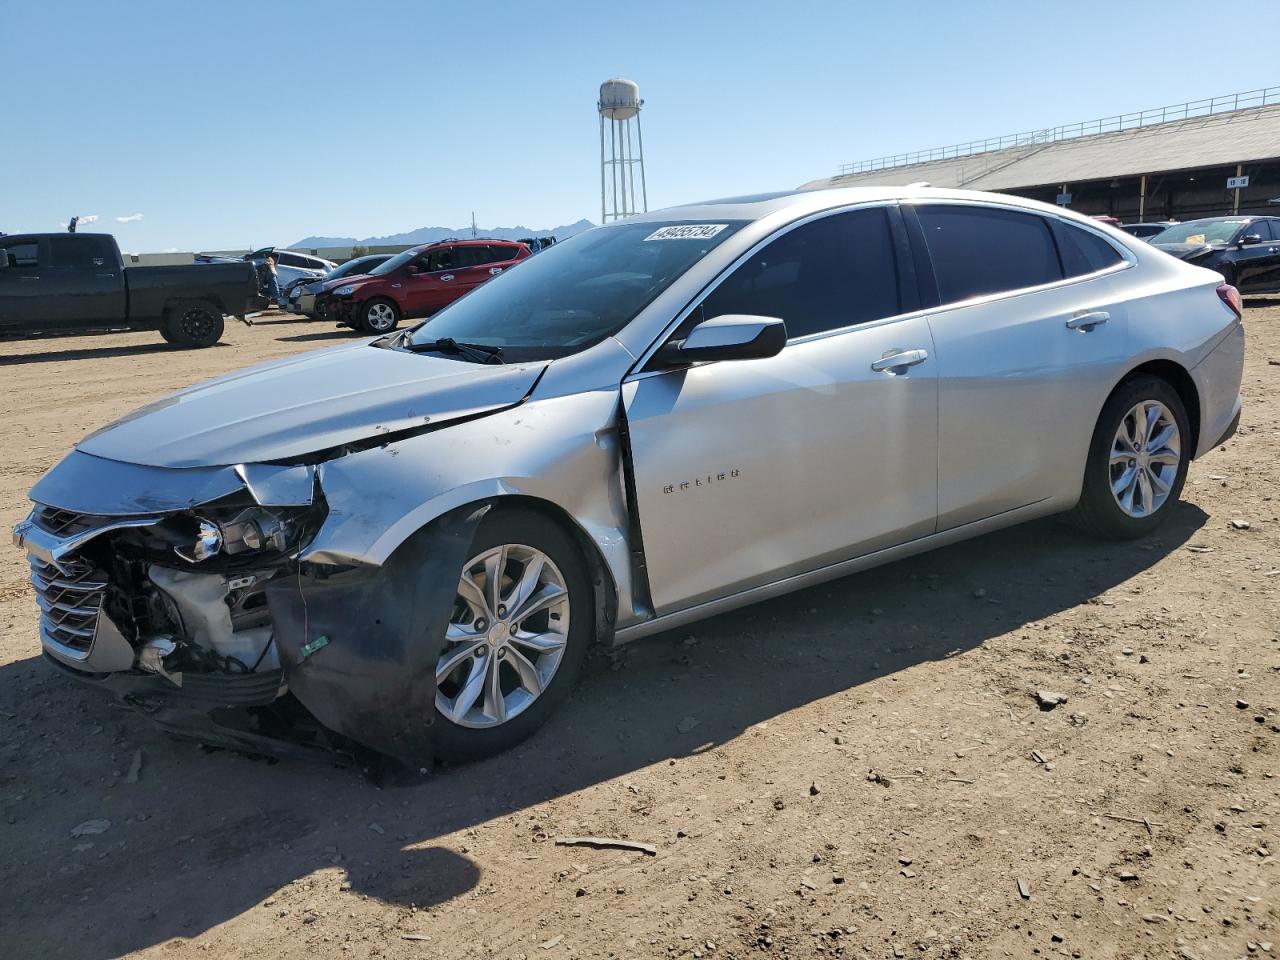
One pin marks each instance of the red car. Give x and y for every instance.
(421, 280)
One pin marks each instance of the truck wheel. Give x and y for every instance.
(193, 323)
(379, 316)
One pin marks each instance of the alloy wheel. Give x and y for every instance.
(380, 317)
(506, 638)
(1145, 456)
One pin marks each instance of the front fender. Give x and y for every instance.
(561, 450)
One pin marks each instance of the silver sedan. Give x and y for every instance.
(417, 538)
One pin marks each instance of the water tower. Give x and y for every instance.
(621, 151)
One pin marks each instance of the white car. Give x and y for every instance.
(291, 265)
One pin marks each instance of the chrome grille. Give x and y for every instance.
(70, 600)
(65, 523)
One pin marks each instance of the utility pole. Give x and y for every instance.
(473, 224)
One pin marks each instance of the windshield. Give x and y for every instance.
(358, 265)
(1200, 231)
(399, 260)
(574, 294)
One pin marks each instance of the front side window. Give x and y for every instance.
(441, 258)
(834, 272)
(977, 251)
(576, 293)
(1261, 228)
(22, 256)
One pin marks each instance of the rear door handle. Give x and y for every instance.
(899, 360)
(1087, 321)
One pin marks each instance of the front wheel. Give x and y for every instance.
(517, 637)
(1138, 461)
(379, 316)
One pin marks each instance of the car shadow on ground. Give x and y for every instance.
(204, 837)
(344, 334)
(90, 353)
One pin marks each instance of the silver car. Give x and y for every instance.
(418, 537)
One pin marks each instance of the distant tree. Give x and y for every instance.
(359, 250)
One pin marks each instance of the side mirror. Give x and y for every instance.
(1249, 239)
(733, 336)
(411, 269)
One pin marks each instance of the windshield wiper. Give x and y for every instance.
(477, 352)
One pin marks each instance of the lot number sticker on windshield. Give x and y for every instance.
(687, 231)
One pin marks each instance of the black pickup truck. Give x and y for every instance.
(68, 282)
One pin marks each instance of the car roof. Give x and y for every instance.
(802, 202)
(478, 241)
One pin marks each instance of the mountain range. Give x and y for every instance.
(432, 234)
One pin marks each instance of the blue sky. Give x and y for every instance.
(229, 124)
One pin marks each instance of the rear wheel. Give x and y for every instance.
(379, 316)
(1137, 461)
(192, 323)
(517, 638)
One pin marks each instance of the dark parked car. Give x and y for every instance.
(1145, 231)
(311, 297)
(1245, 250)
(61, 282)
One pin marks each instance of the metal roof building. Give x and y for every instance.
(1178, 162)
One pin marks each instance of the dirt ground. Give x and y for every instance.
(856, 770)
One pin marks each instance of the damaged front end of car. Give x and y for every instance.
(203, 613)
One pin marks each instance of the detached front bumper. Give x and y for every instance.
(343, 311)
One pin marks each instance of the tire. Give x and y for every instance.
(1149, 467)
(471, 648)
(379, 316)
(193, 324)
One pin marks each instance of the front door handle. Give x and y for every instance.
(447, 276)
(1087, 321)
(899, 360)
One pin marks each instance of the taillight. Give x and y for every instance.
(1231, 297)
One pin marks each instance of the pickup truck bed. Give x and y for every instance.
(51, 283)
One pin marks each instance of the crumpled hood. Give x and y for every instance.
(326, 286)
(1186, 251)
(308, 403)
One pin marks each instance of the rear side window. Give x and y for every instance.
(977, 251)
(500, 254)
(24, 256)
(77, 253)
(473, 256)
(1083, 252)
(831, 273)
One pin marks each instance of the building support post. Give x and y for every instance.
(1235, 204)
(1142, 199)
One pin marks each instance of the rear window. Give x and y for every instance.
(978, 251)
